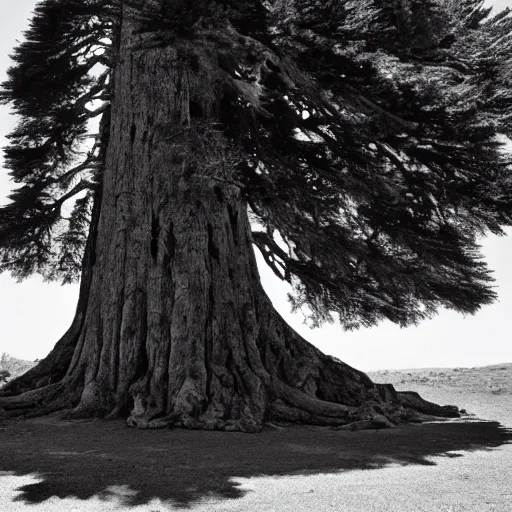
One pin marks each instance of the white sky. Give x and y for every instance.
(33, 314)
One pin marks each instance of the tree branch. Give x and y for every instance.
(83, 185)
(97, 111)
(268, 247)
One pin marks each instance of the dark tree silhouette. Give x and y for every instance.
(362, 133)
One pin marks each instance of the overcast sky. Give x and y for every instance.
(33, 314)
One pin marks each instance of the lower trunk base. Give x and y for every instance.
(292, 383)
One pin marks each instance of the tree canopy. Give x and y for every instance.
(363, 133)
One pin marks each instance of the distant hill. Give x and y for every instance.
(495, 379)
(14, 367)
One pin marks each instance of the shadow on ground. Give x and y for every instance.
(87, 459)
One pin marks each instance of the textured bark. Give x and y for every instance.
(173, 327)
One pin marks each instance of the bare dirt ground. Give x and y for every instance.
(456, 466)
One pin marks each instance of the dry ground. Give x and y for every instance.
(456, 466)
(495, 379)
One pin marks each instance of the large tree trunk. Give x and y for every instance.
(173, 326)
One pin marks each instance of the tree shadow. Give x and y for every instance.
(106, 458)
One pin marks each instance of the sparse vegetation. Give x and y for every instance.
(496, 379)
(10, 368)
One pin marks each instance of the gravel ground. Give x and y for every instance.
(456, 466)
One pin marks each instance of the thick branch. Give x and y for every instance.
(97, 111)
(263, 241)
(83, 185)
(90, 163)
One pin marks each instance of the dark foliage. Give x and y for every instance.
(401, 170)
(365, 135)
(50, 86)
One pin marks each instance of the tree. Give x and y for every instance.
(352, 142)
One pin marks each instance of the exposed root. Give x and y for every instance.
(309, 405)
(37, 402)
(414, 402)
(298, 385)
(313, 388)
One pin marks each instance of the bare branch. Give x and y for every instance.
(83, 185)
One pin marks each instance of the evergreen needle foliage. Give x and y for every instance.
(364, 134)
